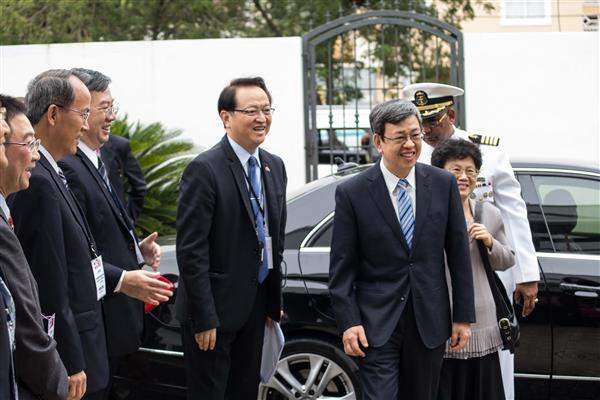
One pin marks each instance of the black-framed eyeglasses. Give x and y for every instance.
(431, 123)
(253, 112)
(469, 172)
(84, 114)
(109, 111)
(32, 146)
(401, 140)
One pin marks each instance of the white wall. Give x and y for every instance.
(178, 83)
(539, 92)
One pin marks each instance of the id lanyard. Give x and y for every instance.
(258, 201)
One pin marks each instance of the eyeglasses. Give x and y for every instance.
(84, 114)
(469, 172)
(431, 123)
(32, 146)
(401, 140)
(109, 111)
(253, 112)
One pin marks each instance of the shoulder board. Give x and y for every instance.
(487, 140)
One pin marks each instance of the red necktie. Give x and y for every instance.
(11, 223)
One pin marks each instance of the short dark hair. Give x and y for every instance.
(13, 107)
(227, 96)
(391, 111)
(49, 87)
(95, 81)
(451, 149)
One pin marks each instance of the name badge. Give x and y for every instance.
(98, 270)
(269, 251)
(50, 320)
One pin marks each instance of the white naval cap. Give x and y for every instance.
(431, 98)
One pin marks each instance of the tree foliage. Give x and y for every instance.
(62, 21)
(163, 156)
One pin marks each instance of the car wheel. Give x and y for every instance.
(312, 369)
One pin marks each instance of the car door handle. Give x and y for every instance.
(579, 288)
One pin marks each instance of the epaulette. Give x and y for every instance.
(487, 140)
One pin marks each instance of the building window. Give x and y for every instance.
(526, 12)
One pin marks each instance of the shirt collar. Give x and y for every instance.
(91, 154)
(391, 180)
(242, 153)
(4, 207)
(49, 158)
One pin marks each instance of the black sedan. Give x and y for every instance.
(559, 354)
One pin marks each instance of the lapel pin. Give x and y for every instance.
(267, 168)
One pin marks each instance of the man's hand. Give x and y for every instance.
(480, 232)
(461, 332)
(527, 292)
(206, 340)
(77, 386)
(151, 251)
(353, 338)
(144, 286)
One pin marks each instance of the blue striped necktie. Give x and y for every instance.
(405, 212)
(259, 220)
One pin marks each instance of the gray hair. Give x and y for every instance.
(49, 87)
(95, 81)
(393, 112)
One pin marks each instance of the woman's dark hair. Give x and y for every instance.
(455, 150)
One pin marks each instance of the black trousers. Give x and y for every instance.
(472, 379)
(403, 368)
(232, 370)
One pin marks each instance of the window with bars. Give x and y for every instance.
(526, 12)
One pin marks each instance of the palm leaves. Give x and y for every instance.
(163, 156)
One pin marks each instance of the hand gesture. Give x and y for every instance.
(480, 232)
(144, 286)
(352, 339)
(151, 251)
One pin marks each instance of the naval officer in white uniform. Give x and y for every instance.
(497, 184)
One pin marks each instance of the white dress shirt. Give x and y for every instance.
(50, 159)
(391, 182)
(91, 154)
(4, 207)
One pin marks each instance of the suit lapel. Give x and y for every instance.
(270, 194)
(381, 197)
(100, 182)
(423, 200)
(239, 176)
(63, 190)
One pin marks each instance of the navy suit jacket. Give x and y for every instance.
(217, 248)
(57, 243)
(110, 225)
(120, 163)
(373, 271)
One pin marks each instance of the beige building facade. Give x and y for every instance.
(536, 16)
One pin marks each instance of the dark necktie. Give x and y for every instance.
(63, 178)
(259, 219)
(103, 173)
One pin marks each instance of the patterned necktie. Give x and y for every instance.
(11, 223)
(259, 219)
(405, 212)
(63, 178)
(103, 173)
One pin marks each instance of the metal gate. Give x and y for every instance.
(357, 61)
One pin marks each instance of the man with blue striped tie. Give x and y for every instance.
(395, 225)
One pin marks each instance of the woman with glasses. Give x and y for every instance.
(474, 371)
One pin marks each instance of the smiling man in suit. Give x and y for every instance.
(39, 371)
(110, 224)
(393, 225)
(230, 231)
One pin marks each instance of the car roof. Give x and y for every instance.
(578, 165)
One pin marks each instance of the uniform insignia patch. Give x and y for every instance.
(487, 140)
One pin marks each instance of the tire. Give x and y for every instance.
(336, 373)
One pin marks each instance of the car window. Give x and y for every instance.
(539, 231)
(571, 208)
(323, 237)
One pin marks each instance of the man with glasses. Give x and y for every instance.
(496, 183)
(230, 232)
(39, 369)
(110, 225)
(394, 226)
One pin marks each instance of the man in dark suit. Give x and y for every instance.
(393, 224)
(230, 231)
(57, 241)
(39, 370)
(120, 163)
(109, 222)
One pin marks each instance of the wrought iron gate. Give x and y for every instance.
(357, 61)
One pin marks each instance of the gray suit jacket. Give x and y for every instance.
(40, 372)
